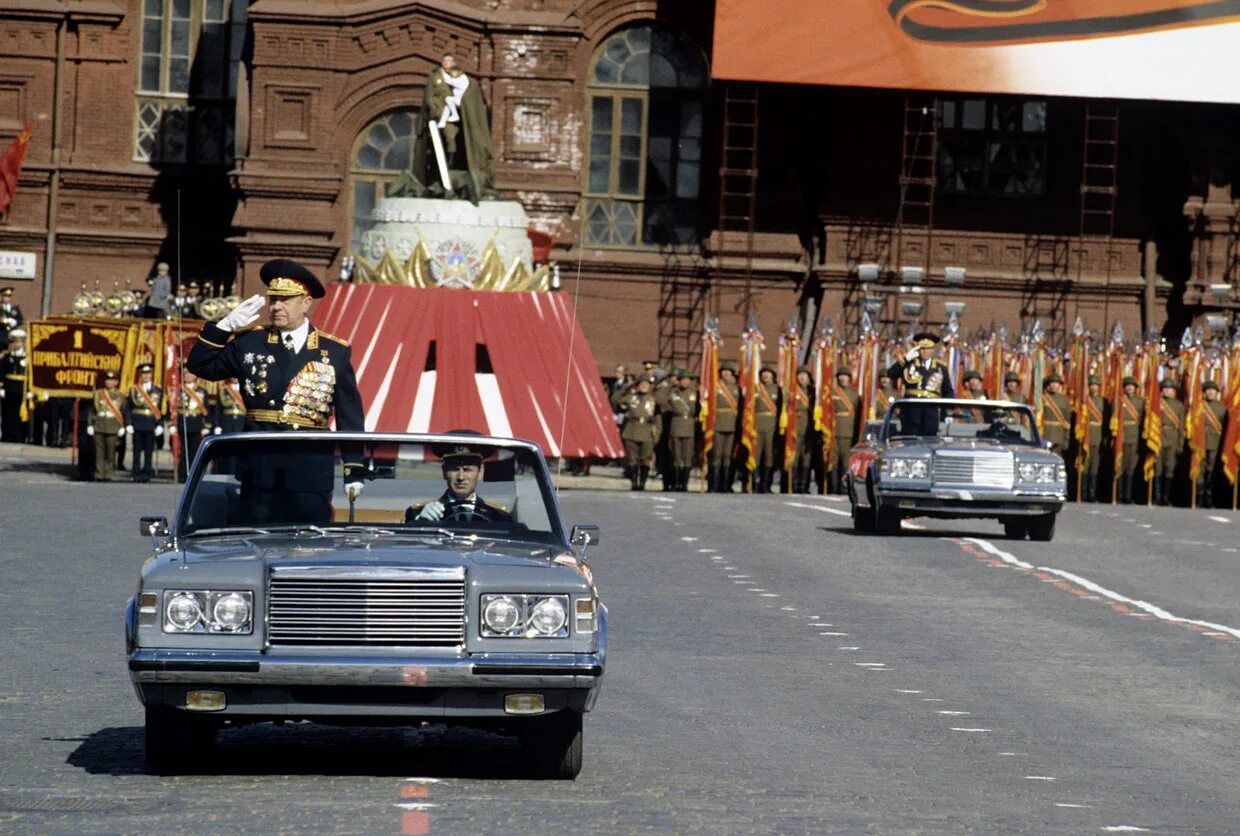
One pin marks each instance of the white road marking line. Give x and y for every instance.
(907, 691)
(1128, 519)
(835, 511)
(849, 647)
(1125, 828)
(930, 699)
(688, 539)
(1218, 519)
(716, 557)
(415, 805)
(705, 551)
(756, 589)
(1072, 806)
(737, 576)
(663, 499)
(912, 525)
(832, 634)
(1039, 778)
(870, 664)
(953, 713)
(1143, 525)
(1231, 551)
(958, 728)
(813, 617)
(769, 595)
(1009, 754)
(423, 780)
(1152, 609)
(788, 609)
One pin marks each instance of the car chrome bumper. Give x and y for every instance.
(964, 502)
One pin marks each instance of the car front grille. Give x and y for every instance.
(986, 470)
(371, 607)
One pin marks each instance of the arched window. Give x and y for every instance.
(382, 151)
(645, 97)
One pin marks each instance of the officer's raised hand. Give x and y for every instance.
(244, 315)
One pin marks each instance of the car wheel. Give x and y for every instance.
(1042, 528)
(863, 518)
(552, 744)
(1015, 529)
(886, 520)
(176, 741)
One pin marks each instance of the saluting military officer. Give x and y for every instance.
(766, 422)
(923, 376)
(846, 401)
(1215, 415)
(193, 414)
(807, 437)
(1056, 424)
(682, 404)
(1097, 413)
(107, 425)
(638, 432)
(1171, 414)
(727, 407)
(144, 421)
(1011, 388)
(1133, 416)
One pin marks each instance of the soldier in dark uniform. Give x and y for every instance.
(922, 376)
(144, 421)
(229, 408)
(464, 468)
(1097, 414)
(1214, 414)
(846, 402)
(766, 422)
(1133, 416)
(1056, 415)
(13, 371)
(682, 405)
(193, 420)
(638, 432)
(1011, 388)
(10, 314)
(1171, 441)
(807, 437)
(292, 376)
(727, 407)
(107, 425)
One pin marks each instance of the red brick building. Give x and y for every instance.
(215, 135)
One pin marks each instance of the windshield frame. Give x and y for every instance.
(940, 403)
(542, 474)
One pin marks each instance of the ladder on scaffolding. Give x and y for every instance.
(1100, 189)
(738, 182)
(919, 151)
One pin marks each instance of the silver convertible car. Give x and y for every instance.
(449, 592)
(956, 459)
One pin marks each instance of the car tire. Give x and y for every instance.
(1042, 529)
(862, 518)
(886, 521)
(1015, 529)
(176, 741)
(553, 744)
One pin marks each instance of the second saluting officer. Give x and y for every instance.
(291, 375)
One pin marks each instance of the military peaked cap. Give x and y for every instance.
(285, 277)
(146, 367)
(450, 451)
(926, 340)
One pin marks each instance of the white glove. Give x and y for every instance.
(203, 431)
(30, 396)
(217, 431)
(90, 430)
(172, 430)
(128, 430)
(911, 354)
(159, 430)
(243, 315)
(1, 393)
(353, 489)
(431, 511)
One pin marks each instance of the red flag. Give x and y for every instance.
(11, 167)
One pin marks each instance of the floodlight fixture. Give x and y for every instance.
(1221, 291)
(867, 272)
(911, 309)
(872, 304)
(956, 308)
(1218, 323)
(954, 276)
(912, 275)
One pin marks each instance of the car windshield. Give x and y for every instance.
(975, 420)
(248, 484)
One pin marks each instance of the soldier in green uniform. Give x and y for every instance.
(766, 422)
(1133, 416)
(1171, 441)
(885, 394)
(682, 405)
(1214, 414)
(638, 431)
(807, 437)
(663, 388)
(107, 425)
(727, 407)
(973, 389)
(846, 402)
(1056, 411)
(1011, 388)
(1097, 414)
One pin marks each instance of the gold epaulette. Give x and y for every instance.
(333, 338)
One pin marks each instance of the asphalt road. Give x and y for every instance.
(770, 671)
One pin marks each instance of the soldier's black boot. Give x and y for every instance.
(1159, 482)
(634, 479)
(1091, 486)
(643, 475)
(712, 479)
(727, 478)
(759, 480)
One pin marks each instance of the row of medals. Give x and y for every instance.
(310, 395)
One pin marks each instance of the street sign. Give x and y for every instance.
(17, 265)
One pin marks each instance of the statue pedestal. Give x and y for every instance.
(425, 242)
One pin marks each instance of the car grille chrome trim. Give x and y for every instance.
(366, 606)
(987, 470)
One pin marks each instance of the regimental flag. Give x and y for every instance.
(1115, 379)
(1078, 397)
(1230, 453)
(789, 345)
(1152, 432)
(11, 167)
(868, 364)
(824, 380)
(751, 364)
(1192, 365)
(709, 387)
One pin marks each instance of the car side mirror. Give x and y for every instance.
(871, 436)
(156, 527)
(584, 536)
(1048, 445)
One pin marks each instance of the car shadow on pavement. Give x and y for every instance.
(311, 749)
(911, 534)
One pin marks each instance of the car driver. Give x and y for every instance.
(463, 469)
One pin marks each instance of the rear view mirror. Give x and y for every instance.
(156, 527)
(584, 535)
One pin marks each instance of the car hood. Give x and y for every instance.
(366, 549)
(911, 445)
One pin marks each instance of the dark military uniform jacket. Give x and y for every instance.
(10, 318)
(1013, 397)
(766, 406)
(727, 406)
(13, 370)
(682, 404)
(923, 378)
(146, 409)
(283, 390)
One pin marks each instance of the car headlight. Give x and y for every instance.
(1041, 473)
(904, 468)
(513, 616)
(207, 611)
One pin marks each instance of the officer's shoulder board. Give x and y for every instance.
(332, 337)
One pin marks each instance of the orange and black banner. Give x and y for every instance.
(69, 356)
